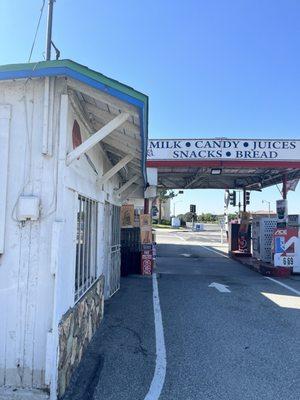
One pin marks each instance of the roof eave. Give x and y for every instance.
(92, 78)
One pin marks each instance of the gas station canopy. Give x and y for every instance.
(223, 163)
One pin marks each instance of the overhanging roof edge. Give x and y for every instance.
(92, 78)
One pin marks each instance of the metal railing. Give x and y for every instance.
(86, 245)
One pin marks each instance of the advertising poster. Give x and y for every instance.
(287, 248)
(146, 236)
(127, 216)
(282, 213)
(145, 221)
(146, 228)
(243, 233)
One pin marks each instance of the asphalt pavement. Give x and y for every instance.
(239, 343)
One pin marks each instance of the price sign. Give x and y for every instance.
(288, 261)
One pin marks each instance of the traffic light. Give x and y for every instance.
(247, 197)
(232, 199)
(192, 208)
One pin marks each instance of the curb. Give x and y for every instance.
(263, 268)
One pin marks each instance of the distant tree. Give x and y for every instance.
(232, 216)
(189, 217)
(182, 219)
(207, 217)
(163, 196)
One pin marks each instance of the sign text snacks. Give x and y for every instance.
(224, 149)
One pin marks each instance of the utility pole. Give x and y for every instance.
(244, 200)
(174, 203)
(269, 206)
(49, 29)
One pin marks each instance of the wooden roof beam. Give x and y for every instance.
(101, 96)
(103, 116)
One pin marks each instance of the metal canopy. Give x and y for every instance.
(223, 163)
(230, 178)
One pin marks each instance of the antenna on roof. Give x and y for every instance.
(49, 29)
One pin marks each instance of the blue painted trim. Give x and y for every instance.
(64, 71)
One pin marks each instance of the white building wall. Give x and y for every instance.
(37, 268)
(25, 280)
(79, 178)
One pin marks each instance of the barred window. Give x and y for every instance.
(86, 245)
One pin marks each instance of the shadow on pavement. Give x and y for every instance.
(119, 362)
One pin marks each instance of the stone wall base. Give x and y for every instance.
(22, 394)
(76, 330)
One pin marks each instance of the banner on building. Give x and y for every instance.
(224, 149)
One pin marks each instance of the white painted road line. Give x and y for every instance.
(181, 238)
(161, 358)
(167, 236)
(214, 251)
(220, 287)
(205, 247)
(284, 285)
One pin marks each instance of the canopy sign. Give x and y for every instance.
(224, 149)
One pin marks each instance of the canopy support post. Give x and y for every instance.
(284, 191)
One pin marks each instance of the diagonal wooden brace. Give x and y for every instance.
(116, 168)
(127, 185)
(97, 137)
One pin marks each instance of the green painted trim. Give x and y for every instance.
(97, 76)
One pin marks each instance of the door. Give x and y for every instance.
(115, 250)
(112, 256)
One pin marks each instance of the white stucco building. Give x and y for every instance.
(73, 147)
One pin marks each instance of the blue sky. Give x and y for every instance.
(211, 68)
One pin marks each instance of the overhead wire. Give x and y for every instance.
(37, 29)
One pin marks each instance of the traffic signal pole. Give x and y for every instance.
(244, 200)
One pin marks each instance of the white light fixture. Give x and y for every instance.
(216, 171)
